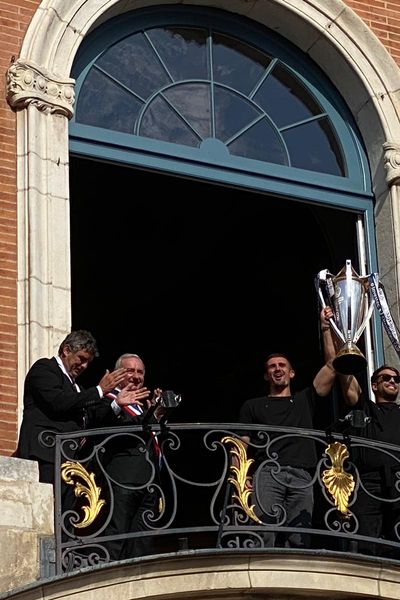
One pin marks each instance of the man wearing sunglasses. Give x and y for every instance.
(377, 469)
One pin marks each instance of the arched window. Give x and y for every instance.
(189, 85)
(193, 84)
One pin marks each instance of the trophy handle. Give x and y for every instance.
(331, 320)
(364, 323)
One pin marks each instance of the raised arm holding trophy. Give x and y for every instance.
(377, 505)
(352, 299)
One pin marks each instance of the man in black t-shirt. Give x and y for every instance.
(283, 495)
(378, 516)
(377, 511)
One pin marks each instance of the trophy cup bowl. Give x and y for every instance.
(347, 295)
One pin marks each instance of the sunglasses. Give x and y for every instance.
(386, 377)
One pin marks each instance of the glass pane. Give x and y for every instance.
(285, 99)
(104, 104)
(165, 72)
(260, 142)
(192, 100)
(183, 50)
(313, 146)
(161, 123)
(232, 113)
(133, 62)
(236, 64)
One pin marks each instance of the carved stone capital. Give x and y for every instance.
(29, 84)
(391, 162)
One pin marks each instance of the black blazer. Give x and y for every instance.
(125, 458)
(51, 402)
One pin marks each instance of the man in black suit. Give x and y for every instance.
(54, 402)
(131, 460)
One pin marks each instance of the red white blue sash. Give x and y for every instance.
(135, 410)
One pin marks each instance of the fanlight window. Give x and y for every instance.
(187, 85)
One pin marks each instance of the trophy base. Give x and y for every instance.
(349, 361)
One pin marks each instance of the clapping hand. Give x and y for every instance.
(130, 395)
(109, 381)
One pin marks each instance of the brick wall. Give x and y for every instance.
(382, 16)
(15, 16)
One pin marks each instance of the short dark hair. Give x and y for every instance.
(80, 340)
(377, 372)
(276, 355)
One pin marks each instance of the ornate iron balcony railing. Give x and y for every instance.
(203, 490)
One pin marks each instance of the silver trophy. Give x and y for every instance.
(347, 293)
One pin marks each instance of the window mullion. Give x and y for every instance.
(211, 63)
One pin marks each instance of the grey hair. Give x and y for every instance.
(118, 363)
(80, 340)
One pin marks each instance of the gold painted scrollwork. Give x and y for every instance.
(240, 475)
(338, 483)
(70, 470)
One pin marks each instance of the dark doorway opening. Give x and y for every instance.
(203, 281)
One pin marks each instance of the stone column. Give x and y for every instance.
(44, 104)
(390, 242)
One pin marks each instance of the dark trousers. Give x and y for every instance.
(68, 498)
(132, 508)
(46, 472)
(286, 499)
(377, 518)
(46, 475)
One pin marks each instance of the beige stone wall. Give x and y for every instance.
(26, 514)
(228, 576)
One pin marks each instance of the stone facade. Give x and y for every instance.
(361, 55)
(246, 576)
(26, 516)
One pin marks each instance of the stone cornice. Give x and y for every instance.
(28, 84)
(391, 162)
